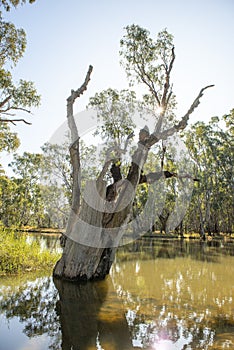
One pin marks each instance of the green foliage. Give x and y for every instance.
(20, 197)
(16, 255)
(211, 147)
(27, 166)
(22, 95)
(150, 62)
(16, 97)
(114, 110)
(13, 96)
(39, 193)
(56, 188)
(144, 57)
(8, 4)
(13, 43)
(56, 166)
(9, 141)
(8, 206)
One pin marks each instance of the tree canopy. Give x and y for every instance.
(14, 97)
(150, 62)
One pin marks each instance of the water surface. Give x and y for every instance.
(163, 295)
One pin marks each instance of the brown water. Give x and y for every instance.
(160, 295)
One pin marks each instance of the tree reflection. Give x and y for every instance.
(71, 315)
(34, 304)
(86, 323)
(78, 307)
(149, 248)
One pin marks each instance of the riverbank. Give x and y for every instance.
(17, 255)
(44, 230)
(156, 234)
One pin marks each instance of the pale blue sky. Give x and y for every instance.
(64, 37)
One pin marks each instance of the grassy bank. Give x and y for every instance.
(16, 255)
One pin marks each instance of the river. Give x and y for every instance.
(160, 295)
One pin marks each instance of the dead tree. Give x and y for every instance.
(104, 228)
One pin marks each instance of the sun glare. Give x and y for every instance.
(159, 110)
(163, 345)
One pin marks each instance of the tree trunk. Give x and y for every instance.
(93, 235)
(90, 260)
(201, 228)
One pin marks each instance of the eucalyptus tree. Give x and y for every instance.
(56, 179)
(8, 208)
(27, 195)
(211, 147)
(9, 141)
(14, 97)
(100, 216)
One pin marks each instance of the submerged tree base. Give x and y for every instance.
(80, 263)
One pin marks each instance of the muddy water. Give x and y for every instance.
(160, 295)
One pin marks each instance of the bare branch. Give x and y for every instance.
(156, 136)
(14, 120)
(75, 161)
(184, 121)
(155, 176)
(80, 90)
(130, 136)
(5, 101)
(70, 101)
(75, 147)
(21, 109)
(165, 100)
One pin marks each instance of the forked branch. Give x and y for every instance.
(166, 91)
(156, 136)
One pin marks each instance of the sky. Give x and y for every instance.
(64, 37)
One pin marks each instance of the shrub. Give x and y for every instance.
(17, 255)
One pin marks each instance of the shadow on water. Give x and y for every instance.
(159, 296)
(82, 326)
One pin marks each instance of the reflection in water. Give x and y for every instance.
(160, 295)
(33, 304)
(83, 325)
(46, 241)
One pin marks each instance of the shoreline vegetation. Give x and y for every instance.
(18, 256)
